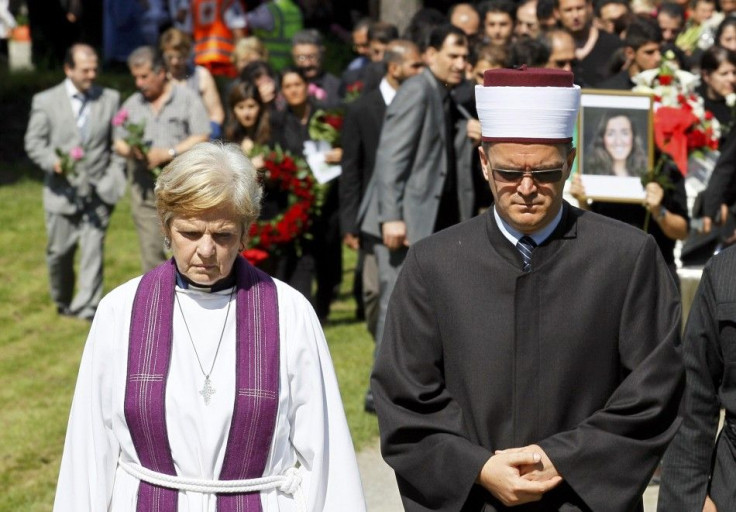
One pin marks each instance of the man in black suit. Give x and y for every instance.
(361, 132)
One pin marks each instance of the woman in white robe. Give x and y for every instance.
(310, 432)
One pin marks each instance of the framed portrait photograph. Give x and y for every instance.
(615, 144)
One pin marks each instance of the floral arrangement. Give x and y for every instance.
(682, 126)
(326, 125)
(353, 91)
(289, 173)
(69, 160)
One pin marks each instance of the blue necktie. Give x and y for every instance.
(82, 116)
(525, 246)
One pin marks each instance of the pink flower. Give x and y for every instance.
(76, 153)
(120, 117)
(316, 91)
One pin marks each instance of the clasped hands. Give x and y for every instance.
(519, 475)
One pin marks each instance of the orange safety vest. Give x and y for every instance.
(213, 40)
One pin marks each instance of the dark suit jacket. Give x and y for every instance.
(580, 355)
(361, 131)
(621, 81)
(369, 75)
(696, 463)
(594, 68)
(331, 85)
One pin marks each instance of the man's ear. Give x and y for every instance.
(570, 159)
(484, 163)
(430, 54)
(629, 53)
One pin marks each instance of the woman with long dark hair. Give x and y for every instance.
(617, 148)
(248, 118)
(290, 129)
(718, 72)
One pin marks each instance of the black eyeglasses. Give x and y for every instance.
(545, 176)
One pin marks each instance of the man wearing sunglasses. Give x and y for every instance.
(530, 354)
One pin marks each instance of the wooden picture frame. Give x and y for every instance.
(615, 144)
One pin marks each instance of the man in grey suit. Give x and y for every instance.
(76, 113)
(422, 180)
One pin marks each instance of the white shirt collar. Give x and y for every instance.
(388, 92)
(71, 90)
(513, 235)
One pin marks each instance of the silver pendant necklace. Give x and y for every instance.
(207, 390)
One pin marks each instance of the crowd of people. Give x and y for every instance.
(418, 146)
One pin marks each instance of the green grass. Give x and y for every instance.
(39, 351)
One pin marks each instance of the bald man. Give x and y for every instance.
(465, 17)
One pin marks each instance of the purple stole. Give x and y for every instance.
(257, 381)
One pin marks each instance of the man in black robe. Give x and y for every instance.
(544, 378)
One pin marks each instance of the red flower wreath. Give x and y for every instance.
(291, 174)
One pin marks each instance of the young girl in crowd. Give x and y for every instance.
(248, 120)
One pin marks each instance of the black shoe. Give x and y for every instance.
(369, 406)
(63, 311)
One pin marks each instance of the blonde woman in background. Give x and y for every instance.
(176, 47)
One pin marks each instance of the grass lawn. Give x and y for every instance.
(40, 351)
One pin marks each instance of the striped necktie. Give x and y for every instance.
(525, 246)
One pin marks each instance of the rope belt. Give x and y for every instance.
(288, 482)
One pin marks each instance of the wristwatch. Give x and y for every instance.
(662, 213)
(173, 152)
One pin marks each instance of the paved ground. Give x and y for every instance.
(382, 495)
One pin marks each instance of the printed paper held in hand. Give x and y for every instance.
(314, 152)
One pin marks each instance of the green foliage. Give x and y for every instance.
(40, 351)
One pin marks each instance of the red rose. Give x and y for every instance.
(334, 121)
(255, 256)
(665, 79)
(696, 139)
(708, 115)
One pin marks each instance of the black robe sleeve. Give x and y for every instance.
(608, 458)
(422, 431)
(687, 465)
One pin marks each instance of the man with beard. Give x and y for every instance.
(175, 119)
(594, 47)
(307, 52)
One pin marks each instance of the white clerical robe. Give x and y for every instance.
(310, 426)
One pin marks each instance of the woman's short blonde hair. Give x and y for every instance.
(211, 175)
(175, 39)
(250, 45)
